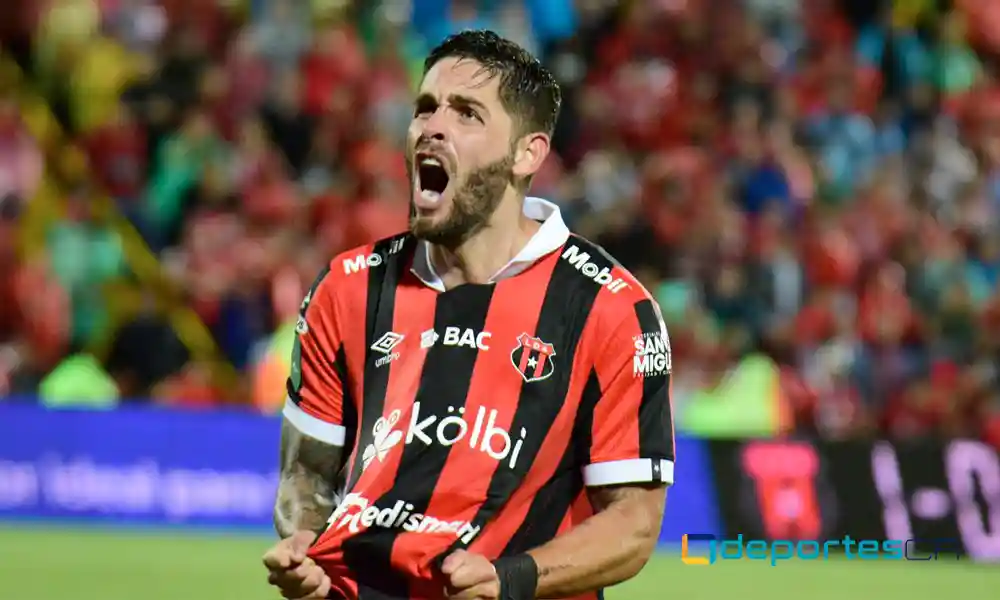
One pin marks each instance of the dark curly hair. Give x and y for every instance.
(528, 91)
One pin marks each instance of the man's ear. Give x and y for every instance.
(529, 154)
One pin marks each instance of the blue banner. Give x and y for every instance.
(143, 465)
(691, 502)
(152, 466)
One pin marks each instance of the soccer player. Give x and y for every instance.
(479, 407)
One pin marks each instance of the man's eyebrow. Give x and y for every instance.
(424, 99)
(461, 100)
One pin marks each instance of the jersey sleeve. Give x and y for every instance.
(315, 403)
(629, 432)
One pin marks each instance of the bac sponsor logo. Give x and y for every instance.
(600, 275)
(482, 435)
(457, 336)
(533, 358)
(357, 513)
(652, 354)
(386, 345)
(362, 262)
(428, 338)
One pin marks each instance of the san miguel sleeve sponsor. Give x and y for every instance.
(652, 354)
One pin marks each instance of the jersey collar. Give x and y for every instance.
(551, 236)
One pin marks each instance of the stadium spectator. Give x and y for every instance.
(21, 161)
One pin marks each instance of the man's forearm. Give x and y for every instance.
(606, 549)
(307, 485)
(304, 503)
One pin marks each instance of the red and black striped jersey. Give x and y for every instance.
(475, 417)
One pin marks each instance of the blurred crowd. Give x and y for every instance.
(811, 186)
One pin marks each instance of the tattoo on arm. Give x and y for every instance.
(308, 482)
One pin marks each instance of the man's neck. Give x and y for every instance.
(480, 257)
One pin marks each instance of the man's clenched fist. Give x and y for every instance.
(292, 572)
(470, 577)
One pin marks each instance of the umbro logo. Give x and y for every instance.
(387, 342)
(386, 345)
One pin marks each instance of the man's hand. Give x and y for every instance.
(292, 572)
(470, 577)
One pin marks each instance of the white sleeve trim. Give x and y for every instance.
(330, 433)
(632, 470)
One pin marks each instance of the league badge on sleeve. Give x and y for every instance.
(301, 326)
(533, 358)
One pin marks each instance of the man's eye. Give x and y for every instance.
(467, 113)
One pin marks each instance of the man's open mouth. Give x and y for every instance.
(432, 177)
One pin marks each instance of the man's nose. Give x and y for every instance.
(435, 128)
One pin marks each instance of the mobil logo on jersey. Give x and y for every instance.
(362, 262)
(532, 358)
(481, 433)
(601, 275)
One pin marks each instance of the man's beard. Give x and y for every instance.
(473, 205)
